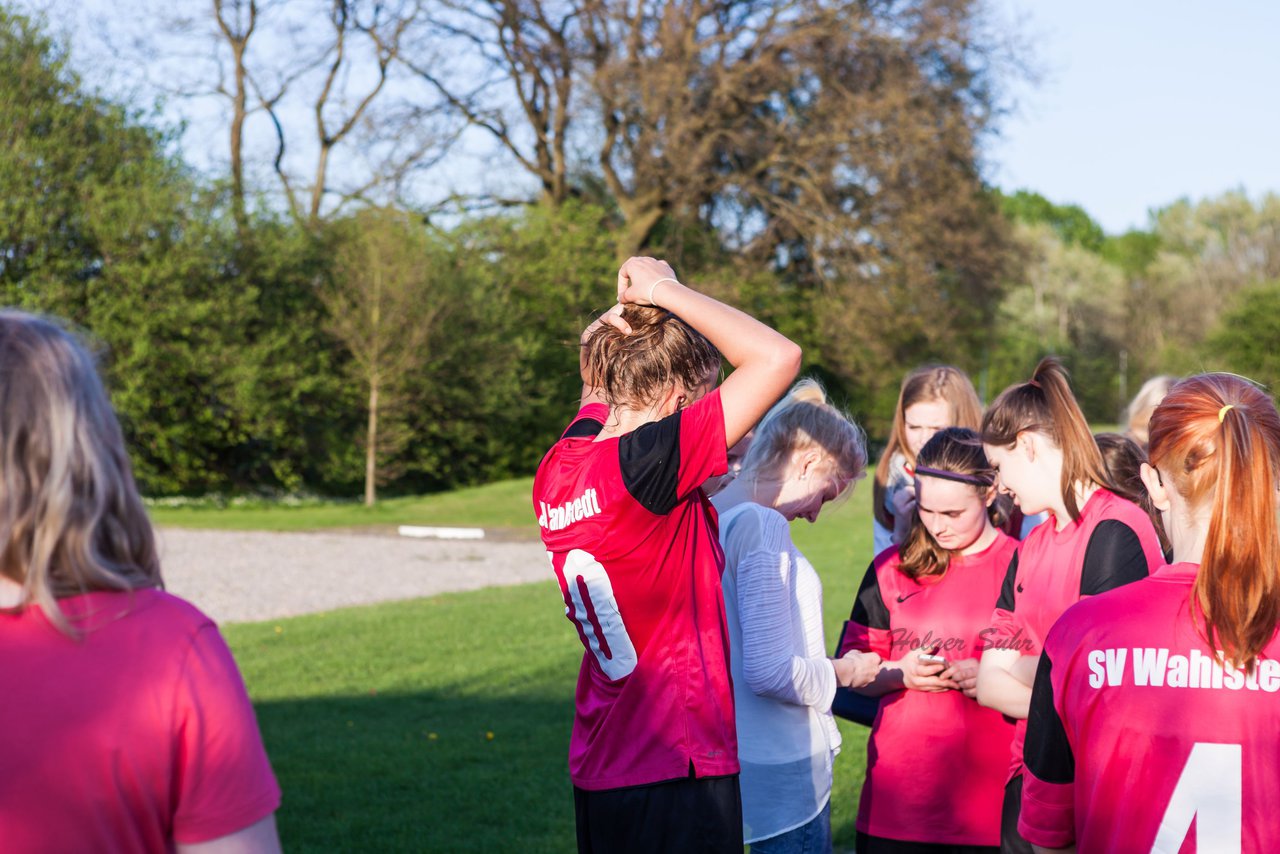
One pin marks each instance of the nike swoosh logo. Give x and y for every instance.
(902, 599)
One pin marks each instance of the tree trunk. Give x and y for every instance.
(371, 452)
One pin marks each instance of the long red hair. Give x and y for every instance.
(1216, 438)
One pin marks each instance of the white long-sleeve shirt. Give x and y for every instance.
(783, 682)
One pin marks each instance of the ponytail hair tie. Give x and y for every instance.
(1222, 413)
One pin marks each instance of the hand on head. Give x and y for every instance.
(639, 278)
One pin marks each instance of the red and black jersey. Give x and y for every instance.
(935, 761)
(1139, 739)
(634, 545)
(1112, 543)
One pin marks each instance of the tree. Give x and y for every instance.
(1066, 301)
(1244, 339)
(310, 95)
(382, 307)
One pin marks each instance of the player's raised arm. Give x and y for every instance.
(764, 361)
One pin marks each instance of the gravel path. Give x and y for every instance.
(241, 576)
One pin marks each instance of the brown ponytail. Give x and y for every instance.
(1216, 438)
(923, 385)
(958, 452)
(1046, 405)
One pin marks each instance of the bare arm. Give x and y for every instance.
(1002, 682)
(257, 838)
(764, 361)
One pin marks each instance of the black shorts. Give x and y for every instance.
(702, 814)
(1011, 842)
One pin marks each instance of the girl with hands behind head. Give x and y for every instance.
(632, 543)
(806, 453)
(924, 607)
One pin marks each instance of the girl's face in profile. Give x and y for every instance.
(1018, 475)
(922, 420)
(805, 490)
(954, 514)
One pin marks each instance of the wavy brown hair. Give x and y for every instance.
(71, 519)
(1044, 404)
(1215, 439)
(958, 451)
(633, 371)
(923, 385)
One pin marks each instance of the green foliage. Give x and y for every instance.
(1069, 222)
(506, 380)
(1244, 341)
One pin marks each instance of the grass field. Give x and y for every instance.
(442, 724)
(497, 505)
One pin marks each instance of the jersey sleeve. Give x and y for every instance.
(663, 461)
(1048, 789)
(1113, 558)
(224, 780)
(588, 422)
(1004, 621)
(766, 610)
(868, 627)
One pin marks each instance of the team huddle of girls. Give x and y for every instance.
(1107, 679)
(1052, 685)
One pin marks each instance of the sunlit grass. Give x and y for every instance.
(442, 724)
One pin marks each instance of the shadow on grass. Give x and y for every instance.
(421, 772)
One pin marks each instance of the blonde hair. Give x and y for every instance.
(71, 519)
(805, 420)
(1138, 413)
(923, 385)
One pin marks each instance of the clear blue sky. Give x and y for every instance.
(1144, 102)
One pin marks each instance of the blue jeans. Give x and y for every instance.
(811, 838)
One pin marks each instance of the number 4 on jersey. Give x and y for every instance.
(1209, 791)
(589, 602)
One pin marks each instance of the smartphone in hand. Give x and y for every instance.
(929, 658)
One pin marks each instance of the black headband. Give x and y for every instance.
(972, 480)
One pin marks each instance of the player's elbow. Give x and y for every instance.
(988, 692)
(788, 358)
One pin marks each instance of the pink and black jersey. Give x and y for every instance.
(1112, 543)
(1139, 740)
(635, 548)
(935, 761)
